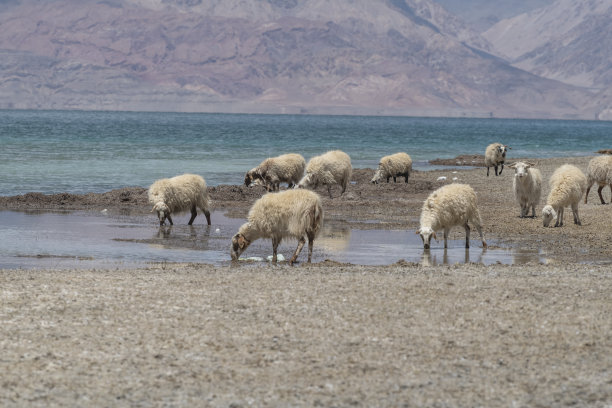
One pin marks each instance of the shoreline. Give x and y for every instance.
(394, 206)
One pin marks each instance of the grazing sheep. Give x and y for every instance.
(599, 171)
(291, 213)
(527, 186)
(446, 207)
(567, 185)
(179, 194)
(495, 155)
(395, 165)
(333, 167)
(287, 168)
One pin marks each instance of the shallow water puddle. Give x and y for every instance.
(81, 239)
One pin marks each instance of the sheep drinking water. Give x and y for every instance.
(287, 168)
(446, 207)
(186, 192)
(292, 213)
(567, 185)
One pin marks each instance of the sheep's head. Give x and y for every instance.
(501, 150)
(377, 176)
(163, 211)
(521, 169)
(239, 244)
(426, 234)
(548, 214)
(306, 181)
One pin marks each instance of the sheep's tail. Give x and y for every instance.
(317, 219)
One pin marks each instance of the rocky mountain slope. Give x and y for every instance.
(319, 56)
(569, 41)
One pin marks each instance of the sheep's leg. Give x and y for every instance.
(169, 218)
(194, 214)
(496, 171)
(600, 195)
(301, 243)
(207, 214)
(467, 235)
(344, 184)
(394, 179)
(589, 189)
(310, 245)
(275, 243)
(406, 176)
(487, 171)
(532, 211)
(446, 231)
(575, 212)
(329, 191)
(502, 168)
(388, 178)
(559, 222)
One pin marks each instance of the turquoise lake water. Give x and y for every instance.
(80, 152)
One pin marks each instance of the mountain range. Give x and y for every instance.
(403, 57)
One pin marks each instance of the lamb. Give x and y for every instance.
(287, 168)
(395, 165)
(495, 155)
(527, 186)
(333, 167)
(179, 194)
(446, 207)
(292, 213)
(599, 171)
(567, 185)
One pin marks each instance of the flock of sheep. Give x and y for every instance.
(298, 213)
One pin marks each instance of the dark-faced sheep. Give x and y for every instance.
(292, 213)
(178, 194)
(495, 155)
(287, 168)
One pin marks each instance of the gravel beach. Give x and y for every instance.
(326, 334)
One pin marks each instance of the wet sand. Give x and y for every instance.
(328, 334)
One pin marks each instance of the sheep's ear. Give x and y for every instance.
(417, 231)
(435, 236)
(513, 165)
(531, 164)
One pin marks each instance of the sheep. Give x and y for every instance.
(446, 207)
(178, 194)
(287, 168)
(333, 167)
(567, 185)
(291, 213)
(527, 186)
(599, 171)
(395, 165)
(495, 155)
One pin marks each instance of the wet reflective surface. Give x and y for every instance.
(80, 239)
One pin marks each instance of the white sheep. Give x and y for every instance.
(287, 168)
(495, 155)
(178, 194)
(599, 171)
(394, 165)
(446, 207)
(567, 185)
(291, 213)
(527, 186)
(330, 168)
